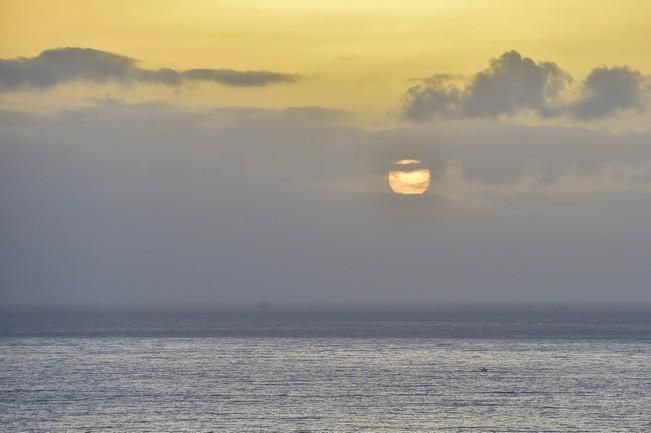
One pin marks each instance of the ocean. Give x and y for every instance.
(327, 369)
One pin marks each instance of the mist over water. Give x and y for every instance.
(536, 321)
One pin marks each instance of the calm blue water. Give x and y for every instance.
(326, 370)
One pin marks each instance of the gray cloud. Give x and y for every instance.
(231, 77)
(436, 96)
(513, 83)
(607, 90)
(62, 65)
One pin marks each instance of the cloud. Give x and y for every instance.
(513, 84)
(607, 90)
(231, 77)
(62, 65)
(436, 96)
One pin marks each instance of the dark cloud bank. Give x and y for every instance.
(130, 204)
(513, 83)
(62, 65)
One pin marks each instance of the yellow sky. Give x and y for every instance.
(355, 55)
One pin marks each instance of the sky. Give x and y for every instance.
(220, 152)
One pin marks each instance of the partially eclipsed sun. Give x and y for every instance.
(410, 178)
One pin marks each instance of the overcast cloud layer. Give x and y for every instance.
(146, 204)
(62, 65)
(513, 83)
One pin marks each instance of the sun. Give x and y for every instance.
(409, 177)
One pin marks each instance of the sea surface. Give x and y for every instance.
(336, 369)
